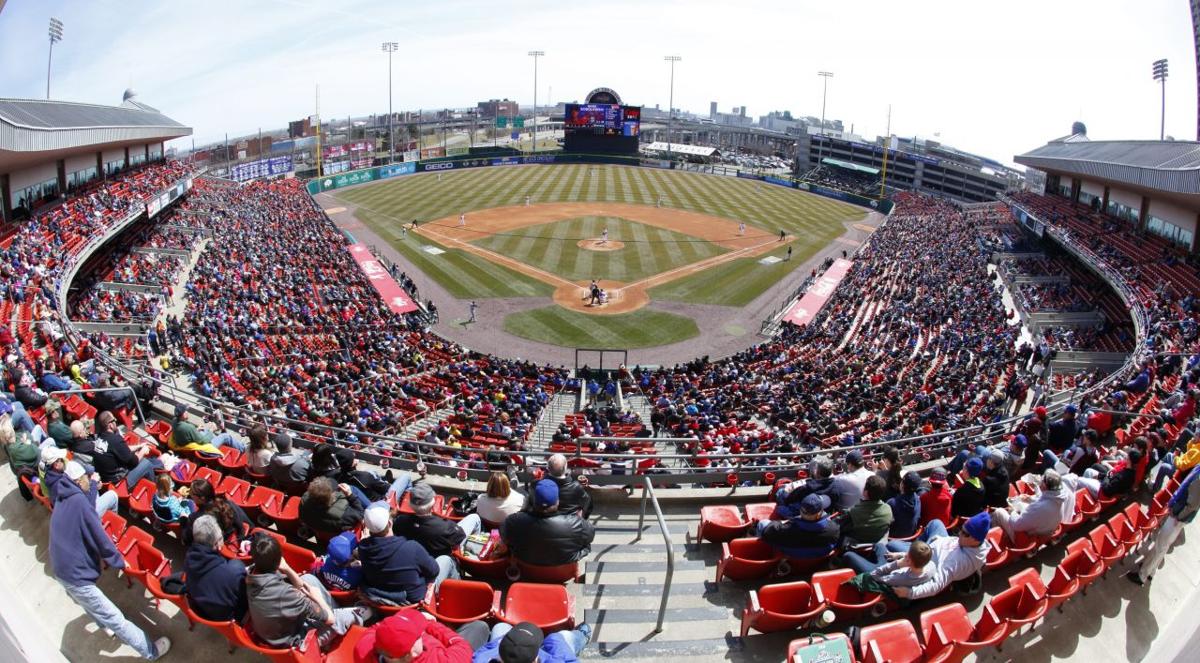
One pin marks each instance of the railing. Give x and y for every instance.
(648, 495)
(93, 390)
(682, 473)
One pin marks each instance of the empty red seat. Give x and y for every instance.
(1018, 606)
(114, 525)
(890, 642)
(721, 523)
(950, 637)
(760, 511)
(458, 602)
(231, 461)
(208, 474)
(747, 559)
(846, 601)
(1158, 506)
(1027, 545)
(781, 607)
(1090, 566)
(1140, 520)
(551, 607)
(1086, 504)
(141, 498)
(1124, 532)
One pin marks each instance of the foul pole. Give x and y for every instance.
(318, 99)
(886, 139)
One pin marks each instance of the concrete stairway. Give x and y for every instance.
(555, 412)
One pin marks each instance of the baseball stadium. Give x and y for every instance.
(585, 380)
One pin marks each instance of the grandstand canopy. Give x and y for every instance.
(1163, 167)
(846, 165)
(691, 150)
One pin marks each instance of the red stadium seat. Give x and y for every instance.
(248, 640)
(1090, 566)
(997, 555)
(1158, 506)
(458, 602)
(225, 628)
(747, 559)
(343, 653)
(804, 566)
(760, 511)
(548, 606)
(484, 569)
(232, 461)
(950, 637)
(549, 574)
(1140, 520)
(1107, 548)
(846, 601)
(141, 499)
(721, 523)
(1124, 532)
(208, 474)
(781, 607)
(1086, 504)
(114, 525)
(890, 642)
(1018, 606)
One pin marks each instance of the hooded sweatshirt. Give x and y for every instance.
(950, 563)
(1045, 514)
(396, 566)
(215, 584)
(78, 541)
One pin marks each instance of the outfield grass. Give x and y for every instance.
(464, 275)
(813, 220)
(554, 247)
(640, 329)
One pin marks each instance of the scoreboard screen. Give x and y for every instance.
(604, 128)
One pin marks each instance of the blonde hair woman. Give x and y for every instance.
(500, 502)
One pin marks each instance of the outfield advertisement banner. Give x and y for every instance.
(433, 152)
(393, 295)
(749, 176)
(457, 151)
(507, 161)
(802, 312)
(395, 170)
(412, 155)
(771, 179)
(353, 177)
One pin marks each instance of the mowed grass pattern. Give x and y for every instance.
(554, 247)
(386, 206)
(640, 329)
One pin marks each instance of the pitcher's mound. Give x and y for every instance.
(622, 298)
(601, 245)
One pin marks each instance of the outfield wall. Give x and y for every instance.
(365, 175)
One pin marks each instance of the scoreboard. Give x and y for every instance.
(602, 128)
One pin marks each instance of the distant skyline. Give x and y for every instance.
(996, 79)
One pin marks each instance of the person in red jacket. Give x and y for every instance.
(410, 636)
(935, 502)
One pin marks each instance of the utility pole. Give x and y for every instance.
(535, 55)
(886, 139)
(671, 103)
(1160, 75)
(56, 35)
(824, 93)
(390, 47)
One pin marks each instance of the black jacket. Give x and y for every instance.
(572, 496)
(1060, 435)
(559, 538)
(995, 486)
(1117, 483)
(968, 501)
(345, 513)
(116, 461)
(438, 535)
(796, 534)
(216, 586)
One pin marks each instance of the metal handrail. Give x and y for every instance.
(93, 390)
(648, 495)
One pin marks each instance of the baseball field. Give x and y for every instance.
(643, 235)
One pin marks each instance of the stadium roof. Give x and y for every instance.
(694, 150)
(33, 130)
(1171, 167)
(850, 166)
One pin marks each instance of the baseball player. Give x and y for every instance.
(604, 236)
(472, 309)
(462, 222)
(742, 228)
(527, 201)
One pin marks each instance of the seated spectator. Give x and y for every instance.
(810, 535)
(289, 469)
(1055, 504)
(906, 508)
(525, 643)
(847, 489)
(891, 470)
(284, 605)
(58, 470)
(56, 428)
(937, 500)
(22, 456)
(186, 437)
(234, 523)
(500, 501)
(954, 558)
(340, 569)
(169, 507)
(216, 586)
(395, 571)
(995, 479)
(410, 636)
(261, 449)
(870, 519)
(1112, 483)
(788, 499)
(439, 536)
(970, 498)
(329, 508)
(895, 569)
(1061, 434)
(115, 460)
(545, 536)
(573, 497)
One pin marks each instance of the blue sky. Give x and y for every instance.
(993, 78)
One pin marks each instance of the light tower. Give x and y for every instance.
(535, 55)
(390, 47)
(671, 102)
(56, 35)
(1160, 75)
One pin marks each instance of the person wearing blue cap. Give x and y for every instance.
(810, 535)
(1061, 433)
(544, 536)
(340, 570)
(954, 557)
(970, 497)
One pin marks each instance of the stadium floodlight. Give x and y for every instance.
(390, 47)
(535, 55)
(1160, 75)
(824, 93)
(56, 35)
(671, 101)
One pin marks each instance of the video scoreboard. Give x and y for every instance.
(602, 128)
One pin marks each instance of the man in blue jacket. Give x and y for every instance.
(78, 544)
(395, 570)
(524, 643)
(216, 586)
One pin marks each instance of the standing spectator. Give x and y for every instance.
(78, 545)
(545, 536)
(216, 587)
(1181, 508)
(936, 502)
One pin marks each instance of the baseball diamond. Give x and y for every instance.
(649, 237)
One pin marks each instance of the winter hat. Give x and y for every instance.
(977, 527)
(341, 548)
(974, 467)
(814, 503)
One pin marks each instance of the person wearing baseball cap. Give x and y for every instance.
(410, 636)
(970, 498)
(524, 643)
(545, 536)
(936, 502)
(1061, 433)
(810, 535)
(340, 570)
(439, 536)
(954, 557)
(395, 570)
